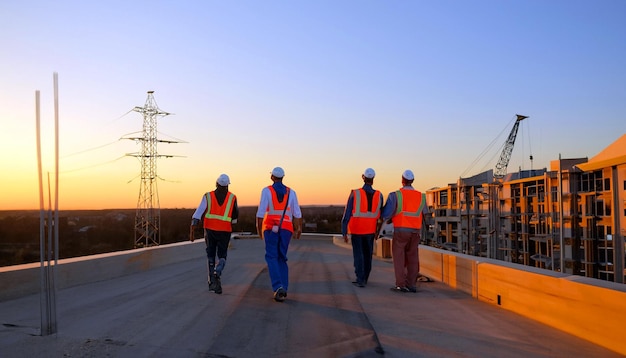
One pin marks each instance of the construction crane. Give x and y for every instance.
(505, 156)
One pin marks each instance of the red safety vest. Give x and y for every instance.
(409, 209)
(362, 221)
(275, 211)
(219, 217)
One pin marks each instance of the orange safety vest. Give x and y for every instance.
(409, 209)
(275, 211)
(362, 221)
(219, 217)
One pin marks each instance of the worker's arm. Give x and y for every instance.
(191, 228)
(347, 214)
(259, 227)
(196, 218)
(379, 224)
(297, 228)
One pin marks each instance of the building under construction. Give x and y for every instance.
(570, 218)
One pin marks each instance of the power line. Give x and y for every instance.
(120, 117)
(90, 149)
(92, 166)
(486, 151)
(176, 139)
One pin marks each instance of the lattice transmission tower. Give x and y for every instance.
(148, 215)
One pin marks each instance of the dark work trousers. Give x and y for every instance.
(216, 243)
(404, 250)
(362, 249)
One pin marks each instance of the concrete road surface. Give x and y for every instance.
(169, 312)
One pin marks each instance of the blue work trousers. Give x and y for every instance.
(362, 249)
(276, 246)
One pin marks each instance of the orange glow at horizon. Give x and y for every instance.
(115, 192)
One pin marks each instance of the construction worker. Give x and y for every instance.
(278, 220)
(218, 211)
(361, 219)
(405, 209)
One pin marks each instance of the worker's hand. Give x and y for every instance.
(259, 227)
(191, 238)
(297, 234)
(345, 238)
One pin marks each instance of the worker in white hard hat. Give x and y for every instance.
(218, 210)
(278, 220)
(405, 209)
(361, 221)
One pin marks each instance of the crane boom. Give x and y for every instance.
(505, 156)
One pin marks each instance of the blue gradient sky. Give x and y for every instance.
(322, 88)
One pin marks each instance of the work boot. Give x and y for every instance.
(211, 269)
(280, 295)
(218, 285)
(212, 283)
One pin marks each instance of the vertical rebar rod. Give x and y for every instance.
(49, 268)
(561, 221)
(55, 247)
(42, 243)
(56, 169)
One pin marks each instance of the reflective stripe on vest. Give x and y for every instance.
(275, 211)
(362, 221)
(410, 204)
(219, 217)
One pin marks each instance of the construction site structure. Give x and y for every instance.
(570, 218)
(148, 214)
(505, 156)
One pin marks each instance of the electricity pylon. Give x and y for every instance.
(148, 215)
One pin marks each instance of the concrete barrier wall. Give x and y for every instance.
(591, 309)
(21, 280)
(594, 310)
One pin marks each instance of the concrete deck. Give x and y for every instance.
(169, 312)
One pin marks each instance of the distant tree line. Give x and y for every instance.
(89, 232)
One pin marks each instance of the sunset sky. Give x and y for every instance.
(322, 88)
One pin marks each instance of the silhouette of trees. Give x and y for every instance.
(89, 232)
